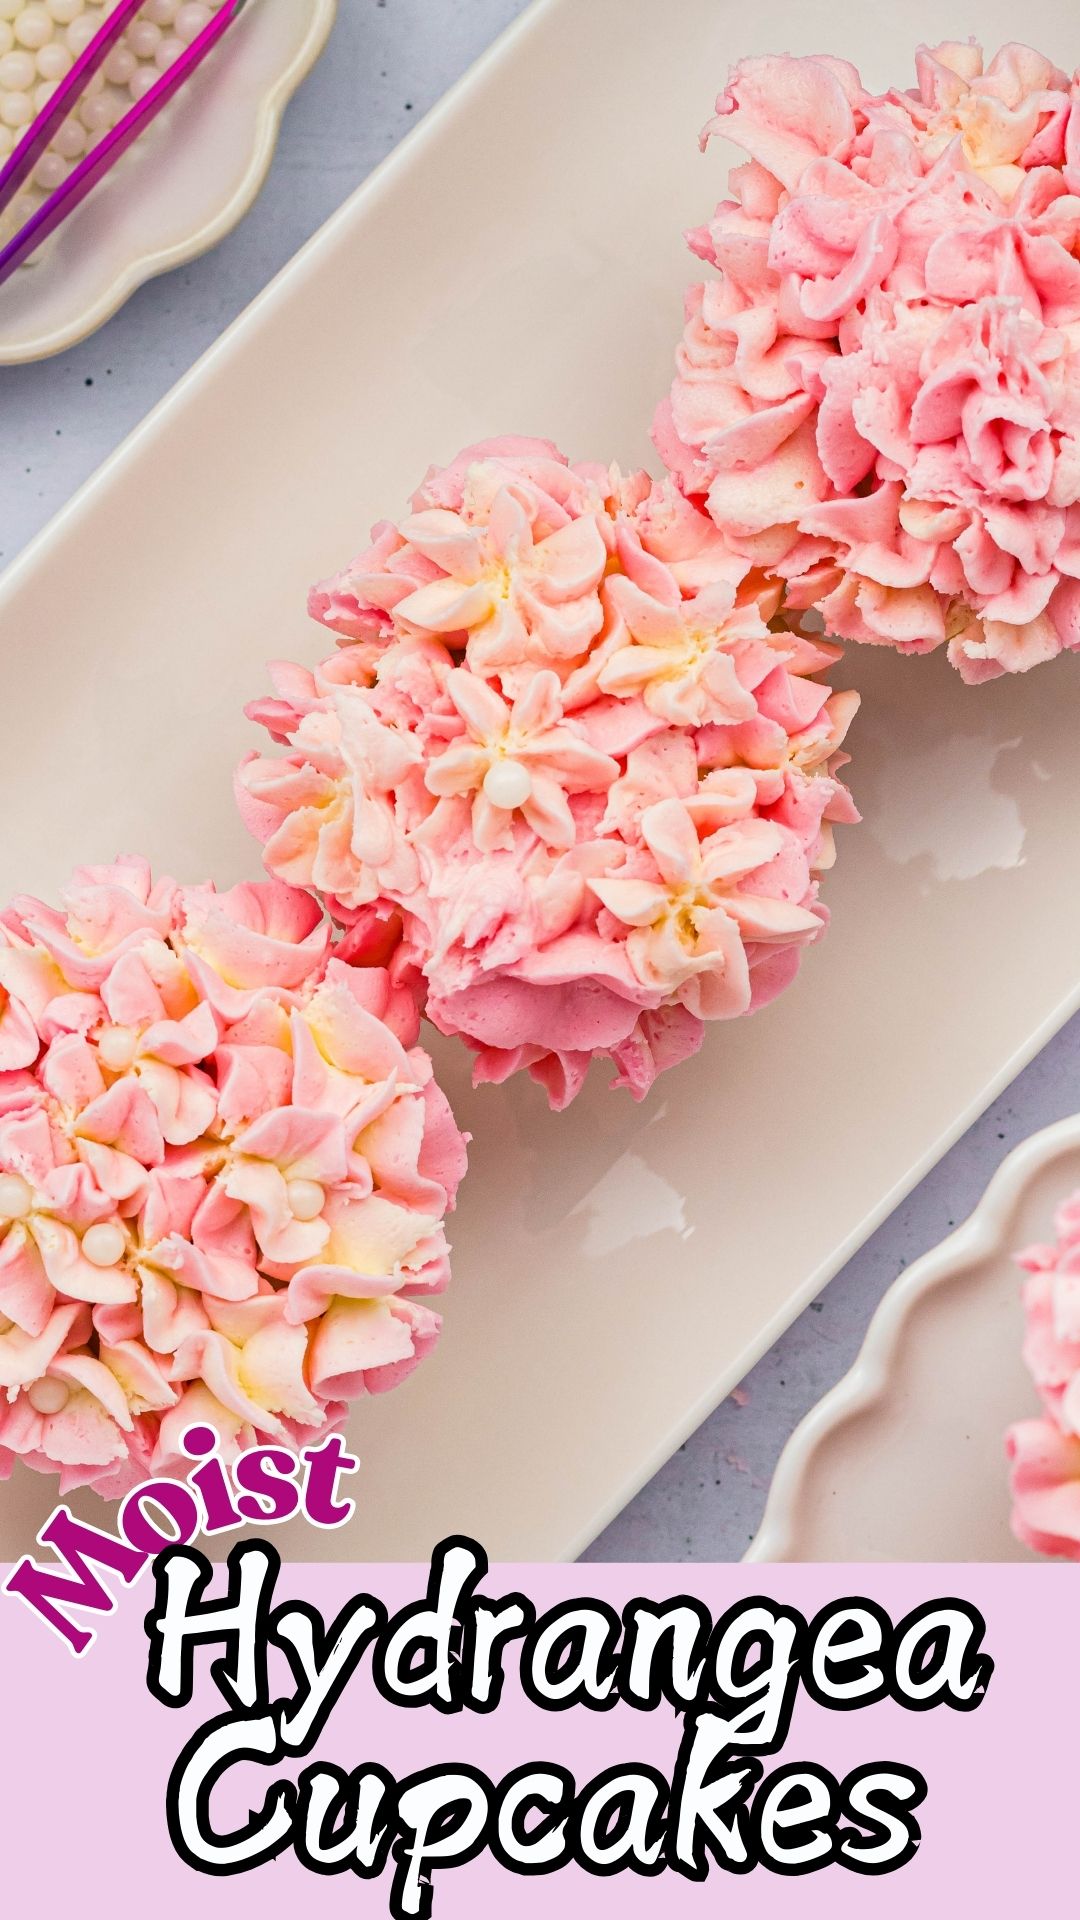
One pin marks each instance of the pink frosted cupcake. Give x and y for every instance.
(569, 756)
(879, 395)
(224, 1167)
(1045, 1453)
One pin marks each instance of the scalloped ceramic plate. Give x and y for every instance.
(617, 1268)
(178, 191)
(903, 1460)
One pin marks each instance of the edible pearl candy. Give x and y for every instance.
(18, 71)
(162, 12)
(69, 140)
(10, 8)
(116, 1048)
(97, 114)
(54, 61)
(103, 1245)
(120, 65)
(80, 33)
(33, 27)
(507, 784)
(306, 1199)
(16, 110)
(48, 1396)
(141, 82)
(168, 52)
(144, 39)
(190, 22)
(7, 38)
(50, 172)
(16, 1197)
(64, 11)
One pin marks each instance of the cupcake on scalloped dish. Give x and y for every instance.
(224, 1168)
(1044, 1453)
(569, 765)
(879, 395)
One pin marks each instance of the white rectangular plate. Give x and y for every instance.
(518, 266)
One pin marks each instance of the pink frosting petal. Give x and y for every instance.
(1045, 1470)
(370, 1345)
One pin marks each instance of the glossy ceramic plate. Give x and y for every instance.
(517, 265)
(904, 1459)
(178, 191)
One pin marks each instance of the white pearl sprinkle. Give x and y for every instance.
(99, 114)
(7, 140)
(144, 39)
(48, 1396)
(64, 11)
(33, 28)
(51, 172)
(163, 12)
(18, 71)
(190, 21)
(168, 52)
(80, 33)
(141, 82)
(16, 1197)
(103, 1245)
(507, 784)
(306, 1199)
(117, 1047)
(120, 65)
(16, 110)
(9, 9)
(69, 140)
(54, 61)
(7, 38)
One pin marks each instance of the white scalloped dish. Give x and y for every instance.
(904, 1459)
(178, 191)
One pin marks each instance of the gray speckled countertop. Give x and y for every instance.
(388, 61)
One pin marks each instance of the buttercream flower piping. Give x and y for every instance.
(224, 1167)
(1044, 1452)
(519, 758)
(571, 756)
(879, 393)
(684, 906)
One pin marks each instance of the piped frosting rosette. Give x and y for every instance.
(879, 395)
(1045, 1453)
(568, 757)
(224, 1167)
